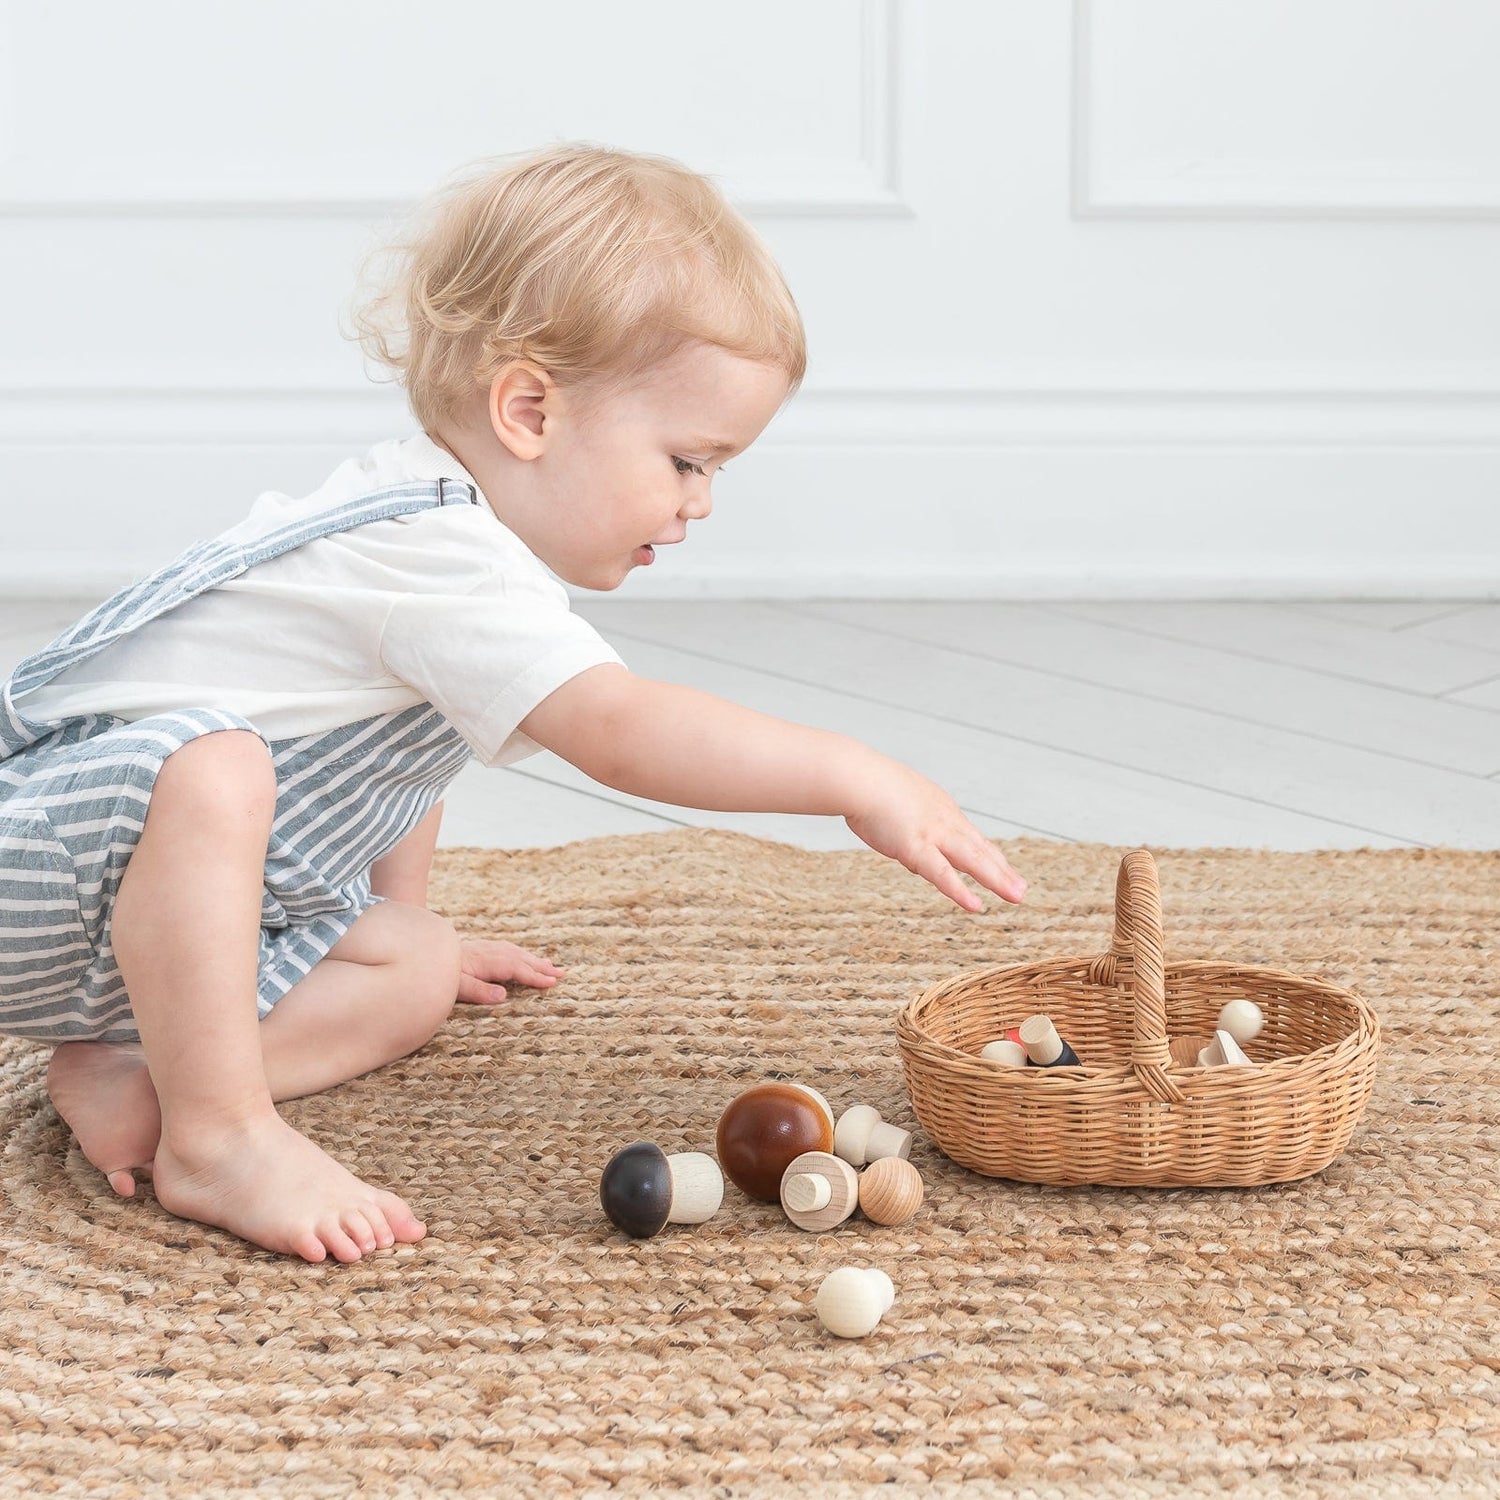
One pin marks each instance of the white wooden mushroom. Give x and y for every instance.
(853, 1299)
(861, 1136)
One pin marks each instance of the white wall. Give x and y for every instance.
(1124, 297)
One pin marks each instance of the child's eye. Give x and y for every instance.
(687, 466)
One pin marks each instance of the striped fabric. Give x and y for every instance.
(74, 794)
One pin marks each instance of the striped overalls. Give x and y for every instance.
(74, 794)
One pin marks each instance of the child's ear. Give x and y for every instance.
(522, 397)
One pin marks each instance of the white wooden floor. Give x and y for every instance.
(1287, 726)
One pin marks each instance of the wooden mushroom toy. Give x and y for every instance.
(1242, 1019)
(853, 1299)
(1185, 1050)
(765, 1128)
(819, 1190)
(1044, 1047)
(862, 1136)
(890, 1190)
(643, 1188)
(1223, 1052)
(1007, 1053)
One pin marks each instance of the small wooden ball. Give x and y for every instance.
(890, 1190)
(853, 1299)
(819, 1190)
(764, 1128)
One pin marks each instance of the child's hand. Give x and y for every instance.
(903, 815)
(487, 961)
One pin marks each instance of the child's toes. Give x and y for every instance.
(309, 1246)
(339, 1244)
(405, 1225)
(385, 1236)
(359, 1229)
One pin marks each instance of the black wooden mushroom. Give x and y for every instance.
(643, 1188)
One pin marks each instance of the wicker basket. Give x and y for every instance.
(1129, 1115)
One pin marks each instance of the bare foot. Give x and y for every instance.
(103, 1091)
(270, 1185)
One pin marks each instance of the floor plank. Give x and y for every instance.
(507, 809)
(995, 777)
(1299, 725)
(1482, 695)
(1399, 659)
(1388, 614)
(1478, 626)
(1243, 689)
(1383, 795)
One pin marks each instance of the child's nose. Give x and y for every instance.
(698, 507)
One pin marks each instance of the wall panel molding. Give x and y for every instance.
(1249, 188)
(867, 185)
(1021, 489)
(1188, 406)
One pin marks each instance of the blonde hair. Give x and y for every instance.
(592, 262)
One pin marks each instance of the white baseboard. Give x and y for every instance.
(962, 485)
(96, 579)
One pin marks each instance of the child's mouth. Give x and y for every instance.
(645, 555)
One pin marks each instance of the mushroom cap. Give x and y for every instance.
(1242, 1019)
(636, 1189)
(1007, 1053)
(853, 1299)
(763, 1130)
(852, 1133)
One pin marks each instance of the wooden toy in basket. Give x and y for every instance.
(1130, 1115)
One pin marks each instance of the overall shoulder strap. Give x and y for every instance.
(203, 566)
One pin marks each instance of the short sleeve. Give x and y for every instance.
(486, 658)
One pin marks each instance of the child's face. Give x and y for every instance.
(604, 484)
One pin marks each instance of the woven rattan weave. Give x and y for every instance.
(1129, 1115)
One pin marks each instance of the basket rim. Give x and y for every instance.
(909, 1031)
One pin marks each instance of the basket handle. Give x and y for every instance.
(1135, 958)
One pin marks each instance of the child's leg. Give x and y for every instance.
(385, 989)
(186, 927)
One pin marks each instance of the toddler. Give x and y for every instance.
(220, 790)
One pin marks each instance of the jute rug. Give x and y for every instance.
(1335, 1336)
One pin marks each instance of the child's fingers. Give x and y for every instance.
(497, 952)
(495, 967)
(539, 978)
(933, 866)
(979, 858)
(533, 961)
(473, 991)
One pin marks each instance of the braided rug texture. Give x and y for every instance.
(1335, 1336)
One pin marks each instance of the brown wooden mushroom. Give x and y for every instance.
(764, 1129)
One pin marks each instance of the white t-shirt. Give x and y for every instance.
(446, 606)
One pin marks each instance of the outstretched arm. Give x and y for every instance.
(675, 744)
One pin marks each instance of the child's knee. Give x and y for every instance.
(445, 964)
(223, 776)
(431, 957)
